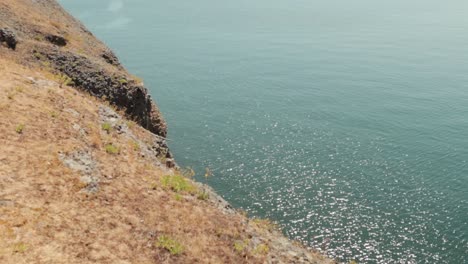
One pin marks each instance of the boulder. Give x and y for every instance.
(56, 40)
(8, 37)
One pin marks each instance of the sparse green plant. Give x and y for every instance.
(178, 197)
(353, 262)
(130, 124)
(261, 249)
(19, 129)
(38, 55)
(20, 248)
(241, 245)
(265, 224)
(187, 172)
(111, 149)
(202, 195)
(208, 173)
(53, 114)
(135, 145)
(243, 212)
(64, 79)
(19, 89)
(106, 127)
(123, 81)
(46, 64)
(177, 183)
(154, 185)
(170, 244)
(163, 159)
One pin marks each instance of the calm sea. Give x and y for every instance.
(344, 121)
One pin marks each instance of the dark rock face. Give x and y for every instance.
(56, 40)
(9, 37)
(127, 95)
(110, 58)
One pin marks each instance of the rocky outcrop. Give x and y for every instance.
(89, 64)
(56, 40)
(8, 37)
(155, 149)
(118, 89)
(110, 57)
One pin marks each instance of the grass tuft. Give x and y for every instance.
(171, 245)
(20, 248)
(135, 145)
(265, 224)
(187, 172)
(177, 183)
(19, 129)
(202, 195)
(106, 127)
(178, 197)
(19, 89)
(261, 249)
(240, 246)
(111, 149)
(64, 80)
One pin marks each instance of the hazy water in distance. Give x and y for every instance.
(345, 121)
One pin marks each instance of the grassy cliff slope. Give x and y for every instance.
(85, 173)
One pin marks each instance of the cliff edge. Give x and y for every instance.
(85, 172)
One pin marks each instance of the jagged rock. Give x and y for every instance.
(130, 96)
(170, 163)
(56, 40)
(110, 58)
(8, 37)
(155, 149)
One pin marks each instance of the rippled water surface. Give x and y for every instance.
(345, 121)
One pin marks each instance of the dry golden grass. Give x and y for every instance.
(50, 218)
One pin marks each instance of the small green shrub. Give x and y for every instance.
(123, 81)
(64, 79)
(46, 64)
(135, 145)
(187, 172)
(240, 246)
(106, 127)
(178, 197)
(261, 249)
(19, 129)
(171, 245)
(177, 183)
(20, 248)
(38, 55)
(130, 124)
(19, 89)
(203, 196)
(265, 224)
(111, 149)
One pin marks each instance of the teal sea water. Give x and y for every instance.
(344, 121)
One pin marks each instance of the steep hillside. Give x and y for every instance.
(85, 172)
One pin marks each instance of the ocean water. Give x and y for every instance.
(344, 121)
